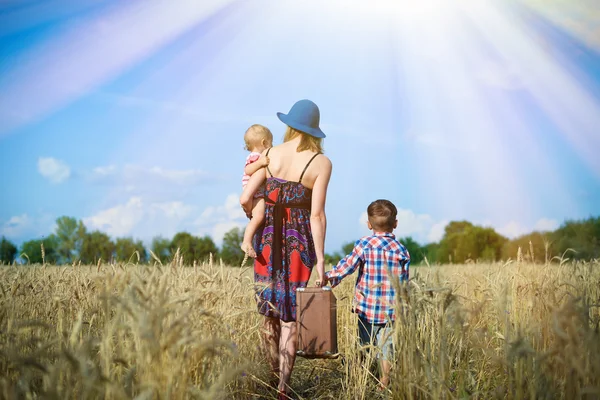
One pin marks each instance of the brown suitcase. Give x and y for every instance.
(316, 319)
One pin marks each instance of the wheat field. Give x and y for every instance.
(506, 331)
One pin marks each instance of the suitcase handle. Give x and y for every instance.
(326, 288)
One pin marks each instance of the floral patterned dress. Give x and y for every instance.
(285, 247)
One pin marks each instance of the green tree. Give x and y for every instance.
(7, 251)
(33, 250)
(430, 251)
(187, 245)
(332, 259)
(489, 244)
(96, 245)
(464, 241)
(538, 242)
(231, 252)
(206, 246)
(414, 249)
(192, 247)
(347, 248)
(70, 234)
(126, 247)
(161, 248)
(583, 237)
(453, 233)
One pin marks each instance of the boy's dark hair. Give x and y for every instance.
(382, 215)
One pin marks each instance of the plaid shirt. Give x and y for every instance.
(374, 297)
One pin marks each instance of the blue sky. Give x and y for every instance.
(131, 115)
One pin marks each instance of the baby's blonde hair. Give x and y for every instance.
(307, 142)
(256, 134)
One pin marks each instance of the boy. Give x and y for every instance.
(379, 258)
(258, 138)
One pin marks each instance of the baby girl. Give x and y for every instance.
(258, 138)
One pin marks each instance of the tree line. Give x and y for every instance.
(465, 242)
(462, 242)
(72, 242)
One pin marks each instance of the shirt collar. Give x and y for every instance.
(384, 234)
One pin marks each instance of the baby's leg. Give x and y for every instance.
(258, 216)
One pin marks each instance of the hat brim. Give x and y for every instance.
(316, 132)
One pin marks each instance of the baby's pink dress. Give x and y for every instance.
(253, 157)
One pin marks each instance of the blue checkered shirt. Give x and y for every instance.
(379, 258)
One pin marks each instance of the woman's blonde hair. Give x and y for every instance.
(307, 142)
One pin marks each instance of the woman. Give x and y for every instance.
(293, 239)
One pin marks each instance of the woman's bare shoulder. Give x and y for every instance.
(324, 161)
(275, 149)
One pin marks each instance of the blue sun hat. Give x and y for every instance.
(304, 116)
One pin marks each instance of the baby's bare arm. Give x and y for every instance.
(262, 162)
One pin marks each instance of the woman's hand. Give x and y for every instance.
(321, 277)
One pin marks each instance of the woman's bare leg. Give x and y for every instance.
(288, 343)
(258, 216)
(270, 337)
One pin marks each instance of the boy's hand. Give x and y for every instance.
(263, 161)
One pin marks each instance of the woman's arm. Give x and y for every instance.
(318, 220)
(253, 184)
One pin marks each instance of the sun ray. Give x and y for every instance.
(471, 99)
(89, 53)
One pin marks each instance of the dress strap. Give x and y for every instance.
(268, 150)
(307, 164)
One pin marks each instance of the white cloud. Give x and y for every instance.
(105, 171)
(145, 220)
(174, 209)
(424, 229)
(141, 219)
(16, 226)
(362, 220)
(217, 220)
(421, 227)
(512, 230)
(546, 224)
(26, 227)
(56, 171)
(437, 231)
(135, 175)
(119, 220)
(410, 223)
(221, 228)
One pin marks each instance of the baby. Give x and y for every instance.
(258, 138)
